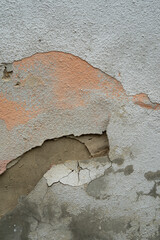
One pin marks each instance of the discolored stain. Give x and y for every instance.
(50, 212)
(45, 214)
(14, 226)
(64, 212)
(29, 215)
(109, 170)
(118, 161)
(91, 225)
(152, 176)
(120, 170)
(97, 188)
(152, 192)
(128, 170)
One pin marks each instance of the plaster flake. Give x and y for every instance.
(56, 173)
(76, 173)
(71, 179)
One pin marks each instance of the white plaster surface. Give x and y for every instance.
(77, 173)
(120, 37)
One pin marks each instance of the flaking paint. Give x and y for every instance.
(68, 81)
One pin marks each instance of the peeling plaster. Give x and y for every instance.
(24, 172)
(69, 77)
(58, 87)
(77, 173)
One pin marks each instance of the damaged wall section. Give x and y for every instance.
(24, 172)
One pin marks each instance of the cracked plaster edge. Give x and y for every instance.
(10, 163)
(4, 64)
(78, 178)
(153, 106)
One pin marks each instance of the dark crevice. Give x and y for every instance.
(24, 172)
(7, 71)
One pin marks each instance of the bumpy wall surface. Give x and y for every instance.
(79, 120)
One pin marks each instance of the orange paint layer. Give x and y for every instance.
(14, 113)
(3, 165)
(70, 82)
(76, 79)
(73, 79)
(143, 101)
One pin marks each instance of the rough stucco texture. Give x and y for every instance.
(119, 37)
(73, 67)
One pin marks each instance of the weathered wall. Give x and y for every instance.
(54, 82)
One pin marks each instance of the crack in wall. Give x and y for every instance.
(24, 172)
(35, 219)
(155, 190)
(76, 173)
(151, 193)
